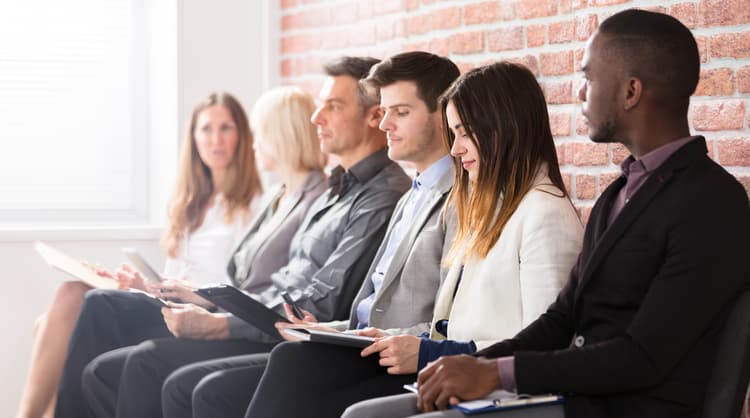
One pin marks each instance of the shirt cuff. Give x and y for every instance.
(507, 372)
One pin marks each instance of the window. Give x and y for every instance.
(73, 112)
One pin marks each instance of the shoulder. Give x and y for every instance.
(390, 177)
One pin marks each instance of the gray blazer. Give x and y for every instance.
(405, 301)
(270, 252)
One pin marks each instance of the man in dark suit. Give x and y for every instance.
(635, 331)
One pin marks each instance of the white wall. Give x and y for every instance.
(195, 47)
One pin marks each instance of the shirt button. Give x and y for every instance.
(579, 341)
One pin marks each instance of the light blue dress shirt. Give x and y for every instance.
(422, 184)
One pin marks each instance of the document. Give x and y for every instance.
(73, 267)
(328, 337)
(500, 400)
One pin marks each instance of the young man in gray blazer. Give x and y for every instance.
(328, 258)
(399, 289)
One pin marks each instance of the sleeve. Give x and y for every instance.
(431, 350)
(325, 291)
(550, 242)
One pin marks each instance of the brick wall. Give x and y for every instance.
(548, 36)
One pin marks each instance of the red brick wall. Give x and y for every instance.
(548, 36)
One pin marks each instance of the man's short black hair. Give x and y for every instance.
(431, 73)
(659, 50)
(357, 68)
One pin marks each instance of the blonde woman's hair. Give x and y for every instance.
(502, 109)
(281, 121)
(194, 187)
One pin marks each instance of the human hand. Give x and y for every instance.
(177, 289)
(451, 379)
(192, 321)
(372, 332)
(129, 278)
(307, 317)
(98, 270)
(399, 353)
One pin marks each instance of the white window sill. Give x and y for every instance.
(109, 233)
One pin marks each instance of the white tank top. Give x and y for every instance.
(203, 255)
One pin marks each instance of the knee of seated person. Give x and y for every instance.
(89, 377)
(173, 388)
(289, 349)
(205, 392)
(39, 323)
(144, 350)
(71, 290)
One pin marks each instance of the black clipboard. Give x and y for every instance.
(243, 306)
(337, 338)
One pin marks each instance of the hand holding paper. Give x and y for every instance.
(399, 353)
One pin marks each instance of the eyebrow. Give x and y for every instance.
(458, 126)
(397, 105)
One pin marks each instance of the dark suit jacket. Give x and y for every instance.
(634, 332)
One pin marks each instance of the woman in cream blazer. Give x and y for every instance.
(518, 234)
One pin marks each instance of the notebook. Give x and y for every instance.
(73, 267)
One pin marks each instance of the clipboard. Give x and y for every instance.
(243, 306)
(500, 400)
(327, 337)
(69, 265)
(142, 265)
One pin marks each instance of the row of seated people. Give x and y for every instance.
(479, 277)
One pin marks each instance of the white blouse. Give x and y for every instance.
(204, 254)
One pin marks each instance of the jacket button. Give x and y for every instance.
(579, 341)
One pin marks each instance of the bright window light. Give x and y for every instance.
(72, 111)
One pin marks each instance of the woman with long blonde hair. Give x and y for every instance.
(217, 185)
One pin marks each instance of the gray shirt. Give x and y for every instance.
(333, 248)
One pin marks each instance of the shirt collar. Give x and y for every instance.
(429, 178)
(361, 172)
(655, 158)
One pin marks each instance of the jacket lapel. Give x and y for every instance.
(656, 181)
(433, 202)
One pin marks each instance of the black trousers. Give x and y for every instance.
(214, 388)
(320, 380)
(109, 319)
(128, 382)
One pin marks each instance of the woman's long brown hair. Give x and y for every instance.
(194, 187)
(503, 111)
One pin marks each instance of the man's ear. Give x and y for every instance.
(374, 115)
(633, 92)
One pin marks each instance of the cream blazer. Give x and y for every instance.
(520, 277)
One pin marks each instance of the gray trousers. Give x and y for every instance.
(405, 405)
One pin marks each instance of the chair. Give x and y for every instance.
(729, 379)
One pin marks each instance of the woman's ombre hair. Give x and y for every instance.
(503, 111)
(194, 186)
